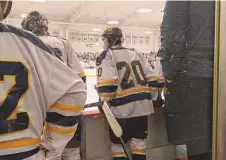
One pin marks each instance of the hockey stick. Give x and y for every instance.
(116, 128)
(113, 123)
(95, 104)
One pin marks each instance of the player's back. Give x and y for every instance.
(133, 95)
(27, 81)
(57, 43)
(64, 49)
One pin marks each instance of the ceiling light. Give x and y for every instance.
(113, 22)
(148, 32)
(144, 10)
(38, 0)
(23, 15)
(97, 29)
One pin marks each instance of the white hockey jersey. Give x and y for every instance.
(35, 87)
(126, 80)
(64, 49)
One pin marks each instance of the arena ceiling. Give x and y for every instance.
(94, 12)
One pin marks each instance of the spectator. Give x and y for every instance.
(88, 59)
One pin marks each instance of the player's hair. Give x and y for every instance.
(115, 42)
(41, 32)
(35, 22)
(113, 35)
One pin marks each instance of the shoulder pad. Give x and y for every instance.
(101, 57)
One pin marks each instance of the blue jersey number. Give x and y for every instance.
(137, 69)
(10, 119)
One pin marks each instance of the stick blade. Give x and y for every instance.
(116, 128)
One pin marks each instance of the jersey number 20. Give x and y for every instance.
(10, 119)
(137, 69)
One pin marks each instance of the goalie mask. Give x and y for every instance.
(111, 37)
(34, 22)
(5, 9)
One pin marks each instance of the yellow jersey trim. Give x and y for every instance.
(107, 82)
(20, 143)
(138, 151)
(153, 78)
(133, 90)
(67, 108)
(59, 130)
(118, 154)
(81, 74)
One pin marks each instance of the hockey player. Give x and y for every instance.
(37, 23)
(35, 87)
(128, 83)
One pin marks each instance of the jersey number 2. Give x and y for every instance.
(10, 119)
(138, 73)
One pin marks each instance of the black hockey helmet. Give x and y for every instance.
(113, 35)
(6, 8)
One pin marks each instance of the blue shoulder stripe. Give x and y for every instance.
(27, 35)
(58, 119)
(130, 98)
(107, 89)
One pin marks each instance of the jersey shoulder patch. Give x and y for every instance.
(101, 57)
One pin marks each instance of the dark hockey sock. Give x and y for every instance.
(120, 158)
(139, 157)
